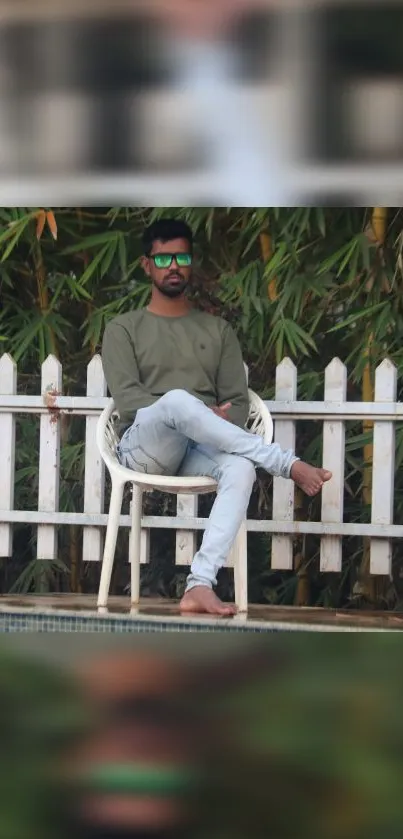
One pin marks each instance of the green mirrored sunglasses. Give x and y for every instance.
(164, 260)
(137, 779)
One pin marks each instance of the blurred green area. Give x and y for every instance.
(40, 710)
(317, 742)
(293, 736)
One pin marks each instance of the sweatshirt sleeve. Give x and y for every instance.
(231, 378)
(122, 373)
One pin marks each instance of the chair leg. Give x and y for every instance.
(115, 508)
(135, 544)
(240, 557)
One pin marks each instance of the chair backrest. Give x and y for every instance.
(259, 418)
(107, 438)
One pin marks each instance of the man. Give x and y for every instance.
(177, 377)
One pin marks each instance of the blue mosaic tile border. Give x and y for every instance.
(16, 621)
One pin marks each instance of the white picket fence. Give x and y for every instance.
(333, 411)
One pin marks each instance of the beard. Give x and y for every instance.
(172, 289)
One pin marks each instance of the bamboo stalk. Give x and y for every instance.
(267, 253)
(43, 300)
(368, 585)
(302, 592)
(86, 259)
(42, 287)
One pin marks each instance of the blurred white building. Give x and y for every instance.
(298, 103)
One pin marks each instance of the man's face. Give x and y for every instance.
(172, 279)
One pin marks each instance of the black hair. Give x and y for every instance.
(164, 230)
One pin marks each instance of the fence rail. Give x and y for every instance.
(333, 412)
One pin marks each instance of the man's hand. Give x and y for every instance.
(221, 410)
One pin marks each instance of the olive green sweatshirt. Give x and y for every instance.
(146, 355)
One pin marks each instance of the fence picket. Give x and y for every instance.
(94, 482)
(283, 491)
(8, 385)
(49, 459)
(383, 470)
(333, 459)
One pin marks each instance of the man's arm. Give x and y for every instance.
(231, 379)
(122, 373)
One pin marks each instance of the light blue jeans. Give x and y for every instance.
(180, 435)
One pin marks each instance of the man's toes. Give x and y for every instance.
(227, 610)
(315, 488)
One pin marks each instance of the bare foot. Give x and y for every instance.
(309, 478)
(202, 600)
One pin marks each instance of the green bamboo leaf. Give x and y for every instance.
(305, 336)
(123, 256)
(352, 274)
(209, 224)
(349, 255)
(251, 241)
(304, 220)
(10, 247)
(15, 232)
(353, 318)
(57, 292)
(321, 221)
(107, 261)
(260, 331)
(42, 345)
(366, 249)
(279, 257)
(77, 291)
(58, 324)
(92, 267)
(114, 214)
(92, 242)
(384, 323)
(258, 305)
(289, 336)
(95, 325)
(331, 261)
(253, 285)
(278, 340)
(25, 338)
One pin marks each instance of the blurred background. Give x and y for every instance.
(224, 737)
(253, 102)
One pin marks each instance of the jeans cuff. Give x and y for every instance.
(192, 582)
(294, 460)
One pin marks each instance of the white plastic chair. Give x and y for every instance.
(259, 422)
